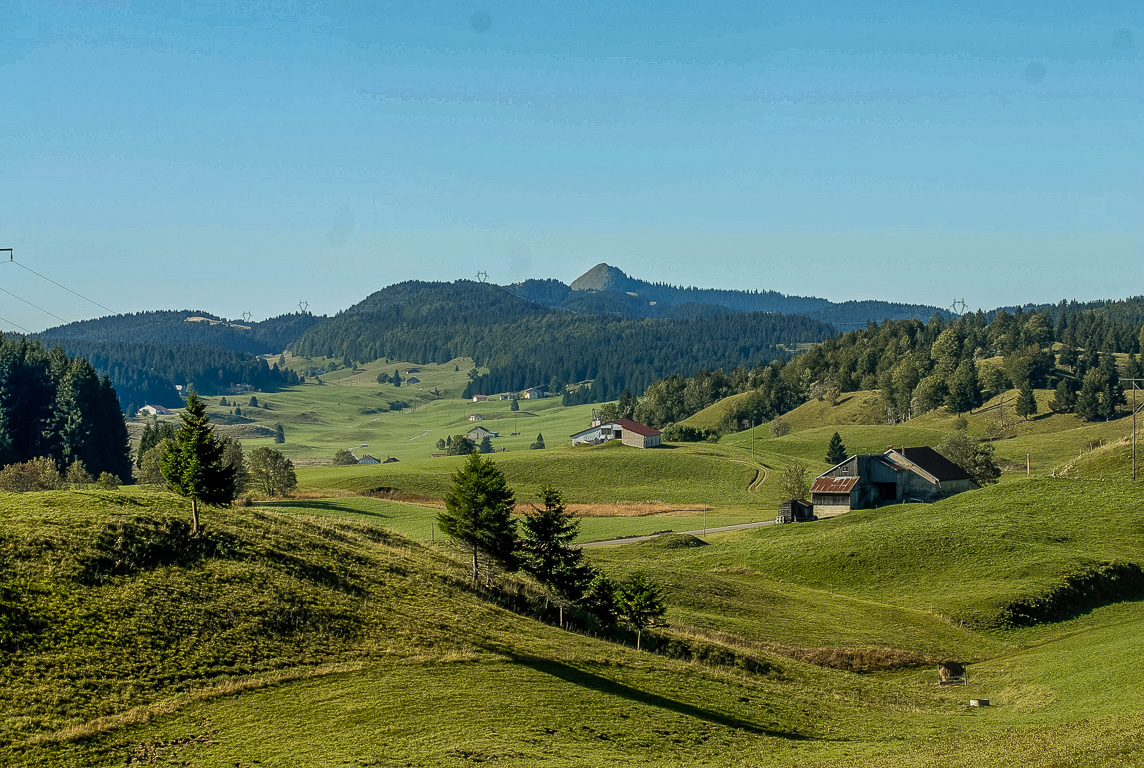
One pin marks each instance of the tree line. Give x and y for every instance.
(269, 336)
(58, 407)
(478, 517)
(918, 367)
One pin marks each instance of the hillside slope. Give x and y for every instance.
(280, 640)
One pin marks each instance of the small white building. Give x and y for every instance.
(535, 393)
(626, 431)
(480, 398)
(367, 459)
(153, 410)
(476, 417)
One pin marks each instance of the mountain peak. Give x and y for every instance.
(603, 277)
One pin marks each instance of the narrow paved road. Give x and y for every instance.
(700, 532)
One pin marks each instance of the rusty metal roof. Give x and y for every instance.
(834, 485)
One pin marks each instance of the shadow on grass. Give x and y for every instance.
(608, 687)
(320, 506)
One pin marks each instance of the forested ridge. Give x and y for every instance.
(269, 336)
(58, 407)
(921, 366)
(147, 353)
(523, 343)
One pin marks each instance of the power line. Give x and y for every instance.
(30, 304)
(9, 322)
(60, 285)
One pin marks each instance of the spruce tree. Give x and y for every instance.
(486, 445)
(539, 444)
(836, 451)
(1026, 402)
(193, 463)
(279, 434)
(964, 391)
(547, 550)
(478, 516)
(1064, 398)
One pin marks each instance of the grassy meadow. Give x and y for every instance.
(299, 639)
(336, 627)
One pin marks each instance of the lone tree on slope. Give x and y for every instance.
(1026, 402)
(836, 451)
(193, 463)
(478, 516)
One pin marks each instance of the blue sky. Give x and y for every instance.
(243, 155)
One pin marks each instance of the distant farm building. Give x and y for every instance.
(476, 417)
(367, 459)
(535, 393)
(413, 380)
(480, 398)
(896, 476)
(153, 410)
(480, 433)
(626, 431)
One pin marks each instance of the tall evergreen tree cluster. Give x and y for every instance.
(478, 517)
(59, 407)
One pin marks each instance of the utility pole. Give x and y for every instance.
(1135, 410)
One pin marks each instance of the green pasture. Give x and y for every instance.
(323, 642)
(961, 559)
(606, 474)
(352, 411)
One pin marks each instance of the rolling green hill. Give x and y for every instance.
(285, 640)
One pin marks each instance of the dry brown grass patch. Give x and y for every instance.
(633, 509)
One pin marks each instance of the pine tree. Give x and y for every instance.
(515, 405)
(539, 444)
(964, 392)
(547, 550)
(279, 434)
(478, 516)
(836, 451)
(1026, 402)
(1064, 398)
(233, 457)
(486, 445)
(193, 465)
